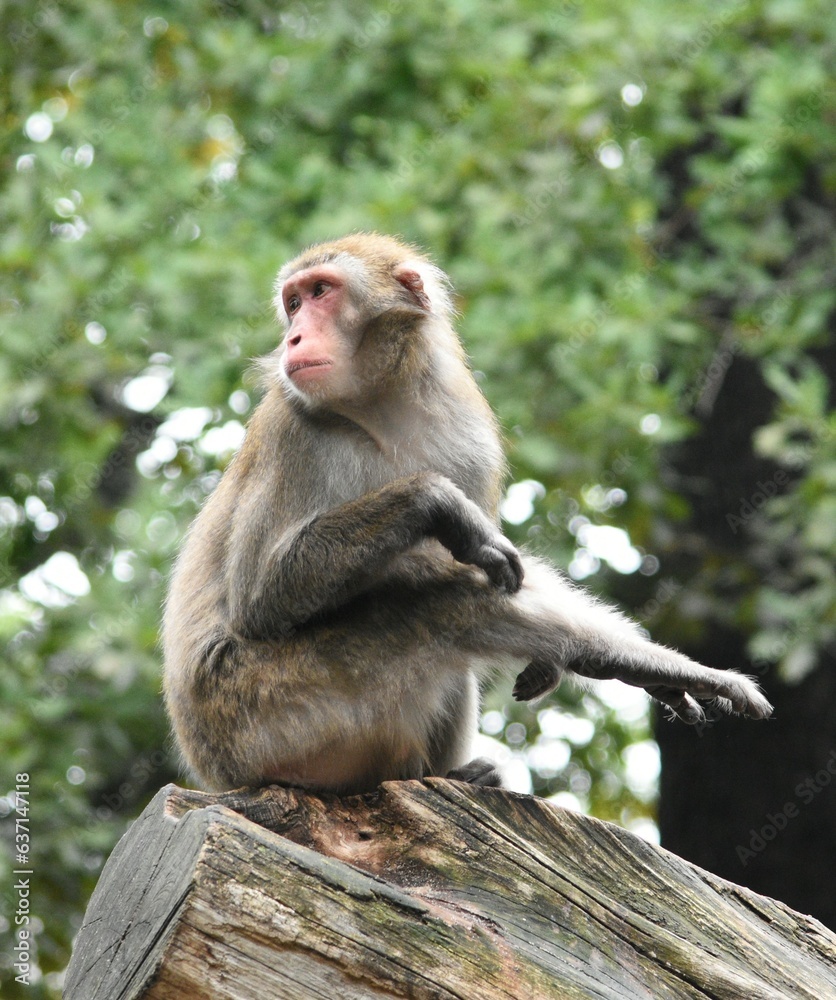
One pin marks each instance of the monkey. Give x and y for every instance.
(346, 588)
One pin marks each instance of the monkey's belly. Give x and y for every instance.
(353, 740)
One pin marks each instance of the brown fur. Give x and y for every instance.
(345, 585)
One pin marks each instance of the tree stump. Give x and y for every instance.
(430, 889)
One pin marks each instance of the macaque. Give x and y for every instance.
(347, 586)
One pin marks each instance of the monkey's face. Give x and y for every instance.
(322, 331)
(314, 302)
(366, 317)
(348, 332)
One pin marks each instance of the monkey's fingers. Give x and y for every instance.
(681, 702)
(536, 680)
(501, 561)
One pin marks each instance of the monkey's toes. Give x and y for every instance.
(685, 707)
(746, 698)
(479, 771)
(536, 680)
(689, 711)
(757, 707)
(760, 711)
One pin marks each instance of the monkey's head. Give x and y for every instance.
(351, 311)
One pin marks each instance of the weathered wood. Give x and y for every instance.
(424, 890)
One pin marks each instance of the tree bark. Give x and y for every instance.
(424, 890)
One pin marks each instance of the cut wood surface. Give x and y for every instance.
(426, 889)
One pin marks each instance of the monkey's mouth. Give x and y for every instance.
(298, 366)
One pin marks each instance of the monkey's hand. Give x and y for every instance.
(470, 536)
(474, 540)
(499, 559)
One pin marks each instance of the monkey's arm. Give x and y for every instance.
(339, 553)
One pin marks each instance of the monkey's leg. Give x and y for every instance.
(553, 626)
(557, 626)
(340, 553)
(451, 738)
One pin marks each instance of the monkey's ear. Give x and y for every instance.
(413, 283)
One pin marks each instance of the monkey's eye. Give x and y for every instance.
(320, 288)
(293, 304)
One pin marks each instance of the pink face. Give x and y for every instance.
(325, 326)
(314, 301)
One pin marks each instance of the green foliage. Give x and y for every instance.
(627, 198)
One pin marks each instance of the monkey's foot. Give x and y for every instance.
(728, 691)
(687, 683)
(536, 680)
(479, 771)
(745, 698)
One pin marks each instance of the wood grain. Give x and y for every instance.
(424, 890)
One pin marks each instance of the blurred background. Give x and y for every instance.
(635, 203)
